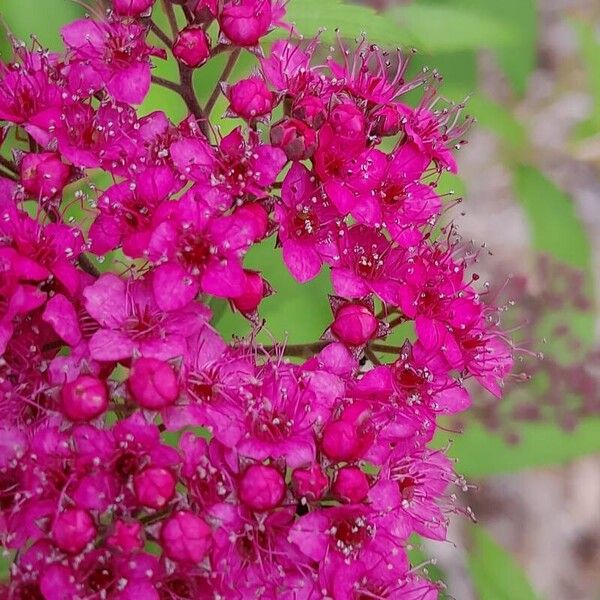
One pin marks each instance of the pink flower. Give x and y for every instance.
(131, 321)
(127, 211)
(132, 8)
(244, 22)
(185, 537)
(368, 262)
(44, 175)
(30, 96)
(192, 47)
(250, 98)
(112, 55)
(17, 295)
(197, 251)
(289, 480)
(238, 169)
(308, 224)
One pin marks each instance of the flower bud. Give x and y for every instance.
(354, 324)
(73, 530)
(348, 121)
(153, 383)
(44, 175)
(126, 537)
(206, 10)
(311, 110)
(295, 138)
(131, 8)
(244, 22)
(250, 98)
(255, 289)
(185, 537)
(262, 487)
(340, 441)
(192, 47)
(387, 121)
(351, 485)
(84, 399)
(310, 483)
(154, 487)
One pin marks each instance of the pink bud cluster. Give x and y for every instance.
(144, 457)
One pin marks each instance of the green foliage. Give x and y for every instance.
(352, 20)
(25, 17)
(499, 120)
(495, 574)
(451, 28)
(555, 226)
(482, 453)
(298, 313)
(590, 51)
(557, 230)
(518, 57)
(428, 27)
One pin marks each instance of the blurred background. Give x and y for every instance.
(530, 183)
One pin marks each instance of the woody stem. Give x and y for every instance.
(224, 77)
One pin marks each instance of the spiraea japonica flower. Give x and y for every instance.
(142, 455)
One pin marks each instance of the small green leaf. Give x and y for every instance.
(352, 20)
(555, 226)
(451, 28)
(517, 59)
(481, 453)
(590, 51)
(298, 313)
(499, 120)
(495, 573)
(27, 17)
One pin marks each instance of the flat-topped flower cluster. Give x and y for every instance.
(288, 480)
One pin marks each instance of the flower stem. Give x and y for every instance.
(160, 34)
(168, 7)
(224, 77)
(166, 83)
(9, 165)
(191, 101)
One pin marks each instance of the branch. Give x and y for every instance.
(9, 165)
(385, 349)
(168, 8)
(191, 101)
(160, 34)
(166, 83)
(8, 175)
(224, 77)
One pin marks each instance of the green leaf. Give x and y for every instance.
(495, 573)
(481, 453)
(517, 59)
(555, 226)
(590, 51)
(310, 16)
(499, 120)
(296, 312)
(451, 28)
(25, 17)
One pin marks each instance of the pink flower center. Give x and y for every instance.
(305, 223)
(351, 534)
(195, 252)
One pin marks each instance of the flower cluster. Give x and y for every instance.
(142, 456)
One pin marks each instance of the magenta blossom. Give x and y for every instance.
(146, 453)
(113, 55)
(131, 321)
